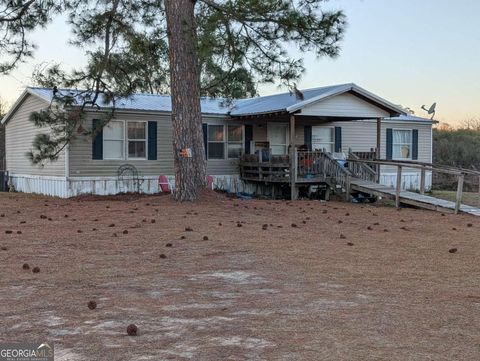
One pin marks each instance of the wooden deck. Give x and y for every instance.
(410, 198)
(317, 167)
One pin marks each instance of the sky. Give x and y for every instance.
(410, 52)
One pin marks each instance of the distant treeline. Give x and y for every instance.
(458, 147)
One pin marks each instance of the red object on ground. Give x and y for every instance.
(163, 184)
(210, 181)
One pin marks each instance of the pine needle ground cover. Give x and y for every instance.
(130, 278)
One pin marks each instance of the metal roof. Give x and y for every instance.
(288, 102)
(284, 102)
(143, 102)
(280, 102)
(411, 118)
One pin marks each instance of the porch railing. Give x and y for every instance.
(361, 170)
(321, 165)
(275, 169)
(309, 166)
(371, 155)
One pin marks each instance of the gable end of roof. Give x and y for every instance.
(27, 92)
(364, 94)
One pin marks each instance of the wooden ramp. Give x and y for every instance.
(410, 198)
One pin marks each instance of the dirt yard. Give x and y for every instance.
(239, 280)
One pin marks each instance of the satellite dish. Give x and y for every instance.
(431, 110)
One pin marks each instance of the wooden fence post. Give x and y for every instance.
(399, 186)
(458, 201)
(422, 181)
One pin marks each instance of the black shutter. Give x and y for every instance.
(415, 144)
(307, 135)
(338, 139)
(97, 141)
(389, 144)
(205, 139)
(152, 140)
(248, 137)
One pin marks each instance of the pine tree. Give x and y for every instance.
(190, 172)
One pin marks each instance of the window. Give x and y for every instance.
(137, 140)
(216, 142)
(402, 144)
(113, 140)
(323, 138)
(235, 141)
(116, 147)
(277, 136)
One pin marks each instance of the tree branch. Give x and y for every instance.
(21, 13)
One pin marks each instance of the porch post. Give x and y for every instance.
(293, 189)
(379, 146)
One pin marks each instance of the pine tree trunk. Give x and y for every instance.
(190, 173)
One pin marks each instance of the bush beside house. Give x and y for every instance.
(457, 148)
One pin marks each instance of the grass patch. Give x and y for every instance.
(469, 198)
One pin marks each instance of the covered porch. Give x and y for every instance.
(314, 153)
(299, 151)
(307, 168)
(304, 141)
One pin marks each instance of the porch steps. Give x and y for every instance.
(410, 198)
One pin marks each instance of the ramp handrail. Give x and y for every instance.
(424, 167)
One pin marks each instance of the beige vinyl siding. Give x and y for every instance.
(344, 105)
(82, 164)
(361, 136)
(19, 135)
(424, 144)
(222, 166)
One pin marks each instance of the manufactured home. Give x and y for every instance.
(251, 144)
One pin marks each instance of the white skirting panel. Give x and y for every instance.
(111, 185)
(410, 180)
(49, 186)
(72, 187)
(230, 184)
